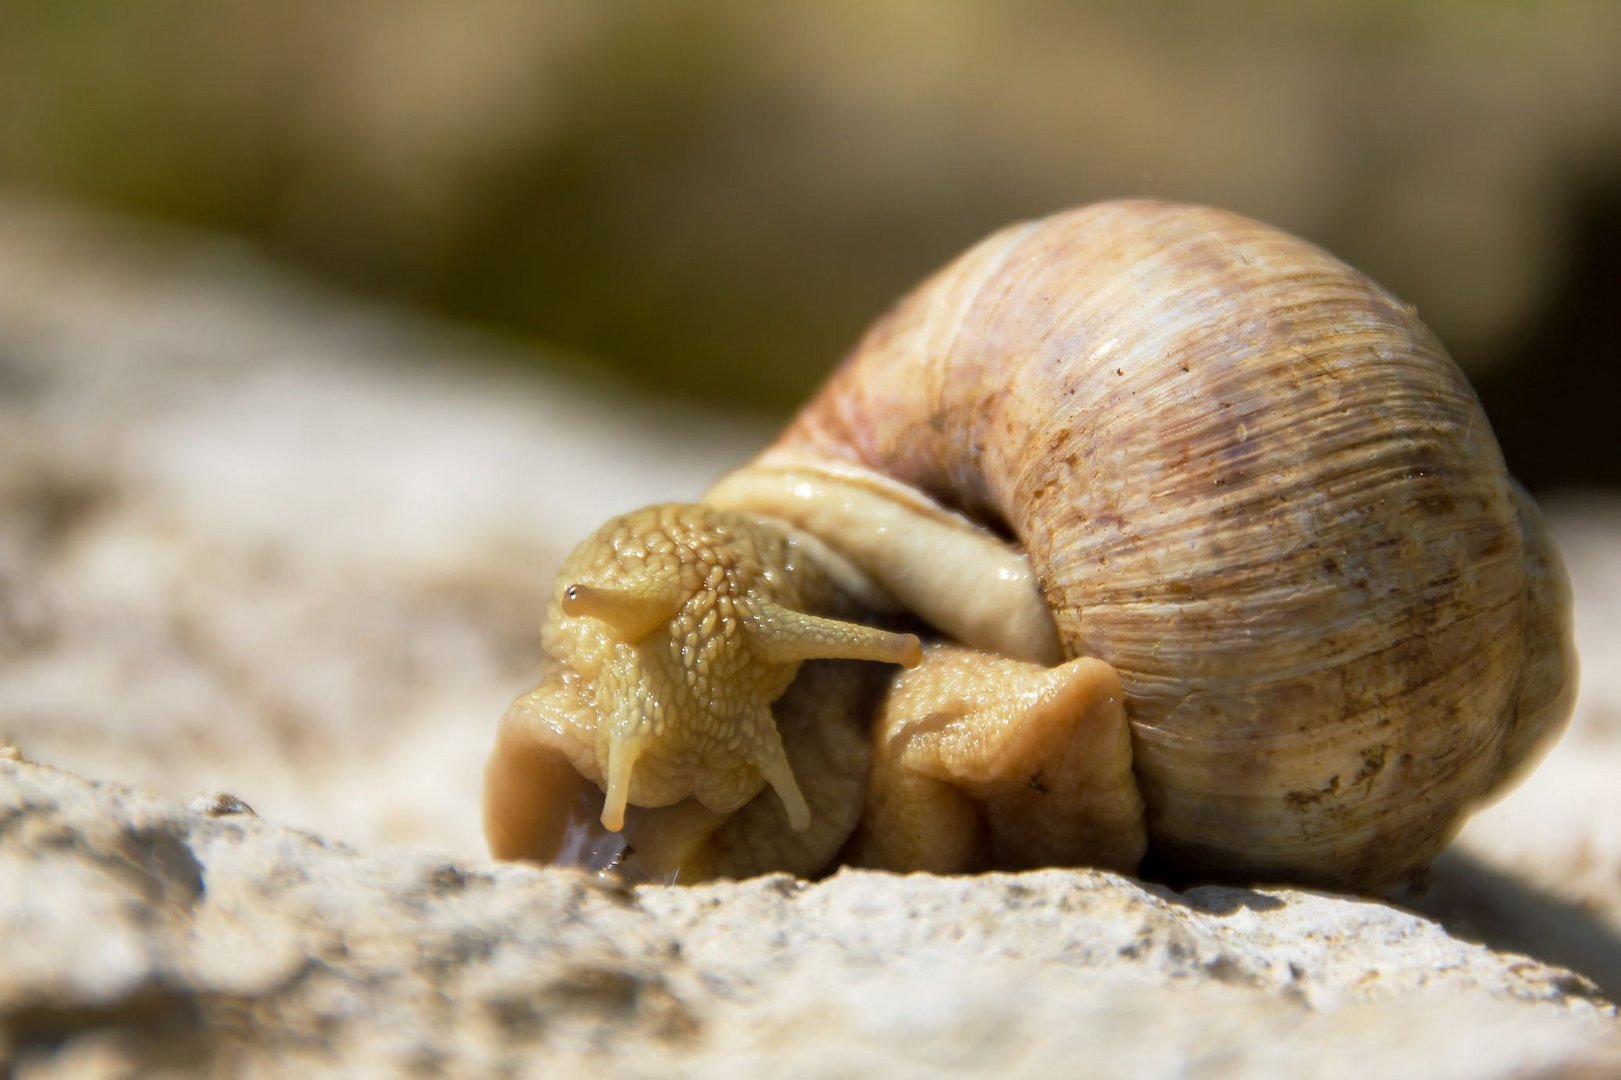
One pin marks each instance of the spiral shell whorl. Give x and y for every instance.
(1253, 482)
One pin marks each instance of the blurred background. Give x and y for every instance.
(710, 200)
(327, 327)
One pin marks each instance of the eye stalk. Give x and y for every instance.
(634, 610)
(783, 636)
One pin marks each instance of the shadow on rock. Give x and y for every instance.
(1476, 902)
(1226, 899)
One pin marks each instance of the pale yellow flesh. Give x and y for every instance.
(951, 573)
(539, 807)
(671, 633)
(983, 761)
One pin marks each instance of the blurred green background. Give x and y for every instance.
(712, 199)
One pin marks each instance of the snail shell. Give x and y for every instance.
(1253, 482)
(1249, 480)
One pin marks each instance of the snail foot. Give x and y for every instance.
(984, 762)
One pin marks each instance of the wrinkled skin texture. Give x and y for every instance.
(673, 631)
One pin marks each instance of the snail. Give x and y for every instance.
(1143, 528)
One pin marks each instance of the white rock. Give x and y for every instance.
(142, 932)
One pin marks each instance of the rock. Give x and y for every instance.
(144, 934)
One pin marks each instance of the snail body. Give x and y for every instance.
(1228, 469)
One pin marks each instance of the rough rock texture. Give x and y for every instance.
(262, 540)
(141, 932)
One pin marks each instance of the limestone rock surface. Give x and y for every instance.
(146, 935)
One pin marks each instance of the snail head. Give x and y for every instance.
(670, 633)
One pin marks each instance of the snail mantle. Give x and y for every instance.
(1142, 529)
